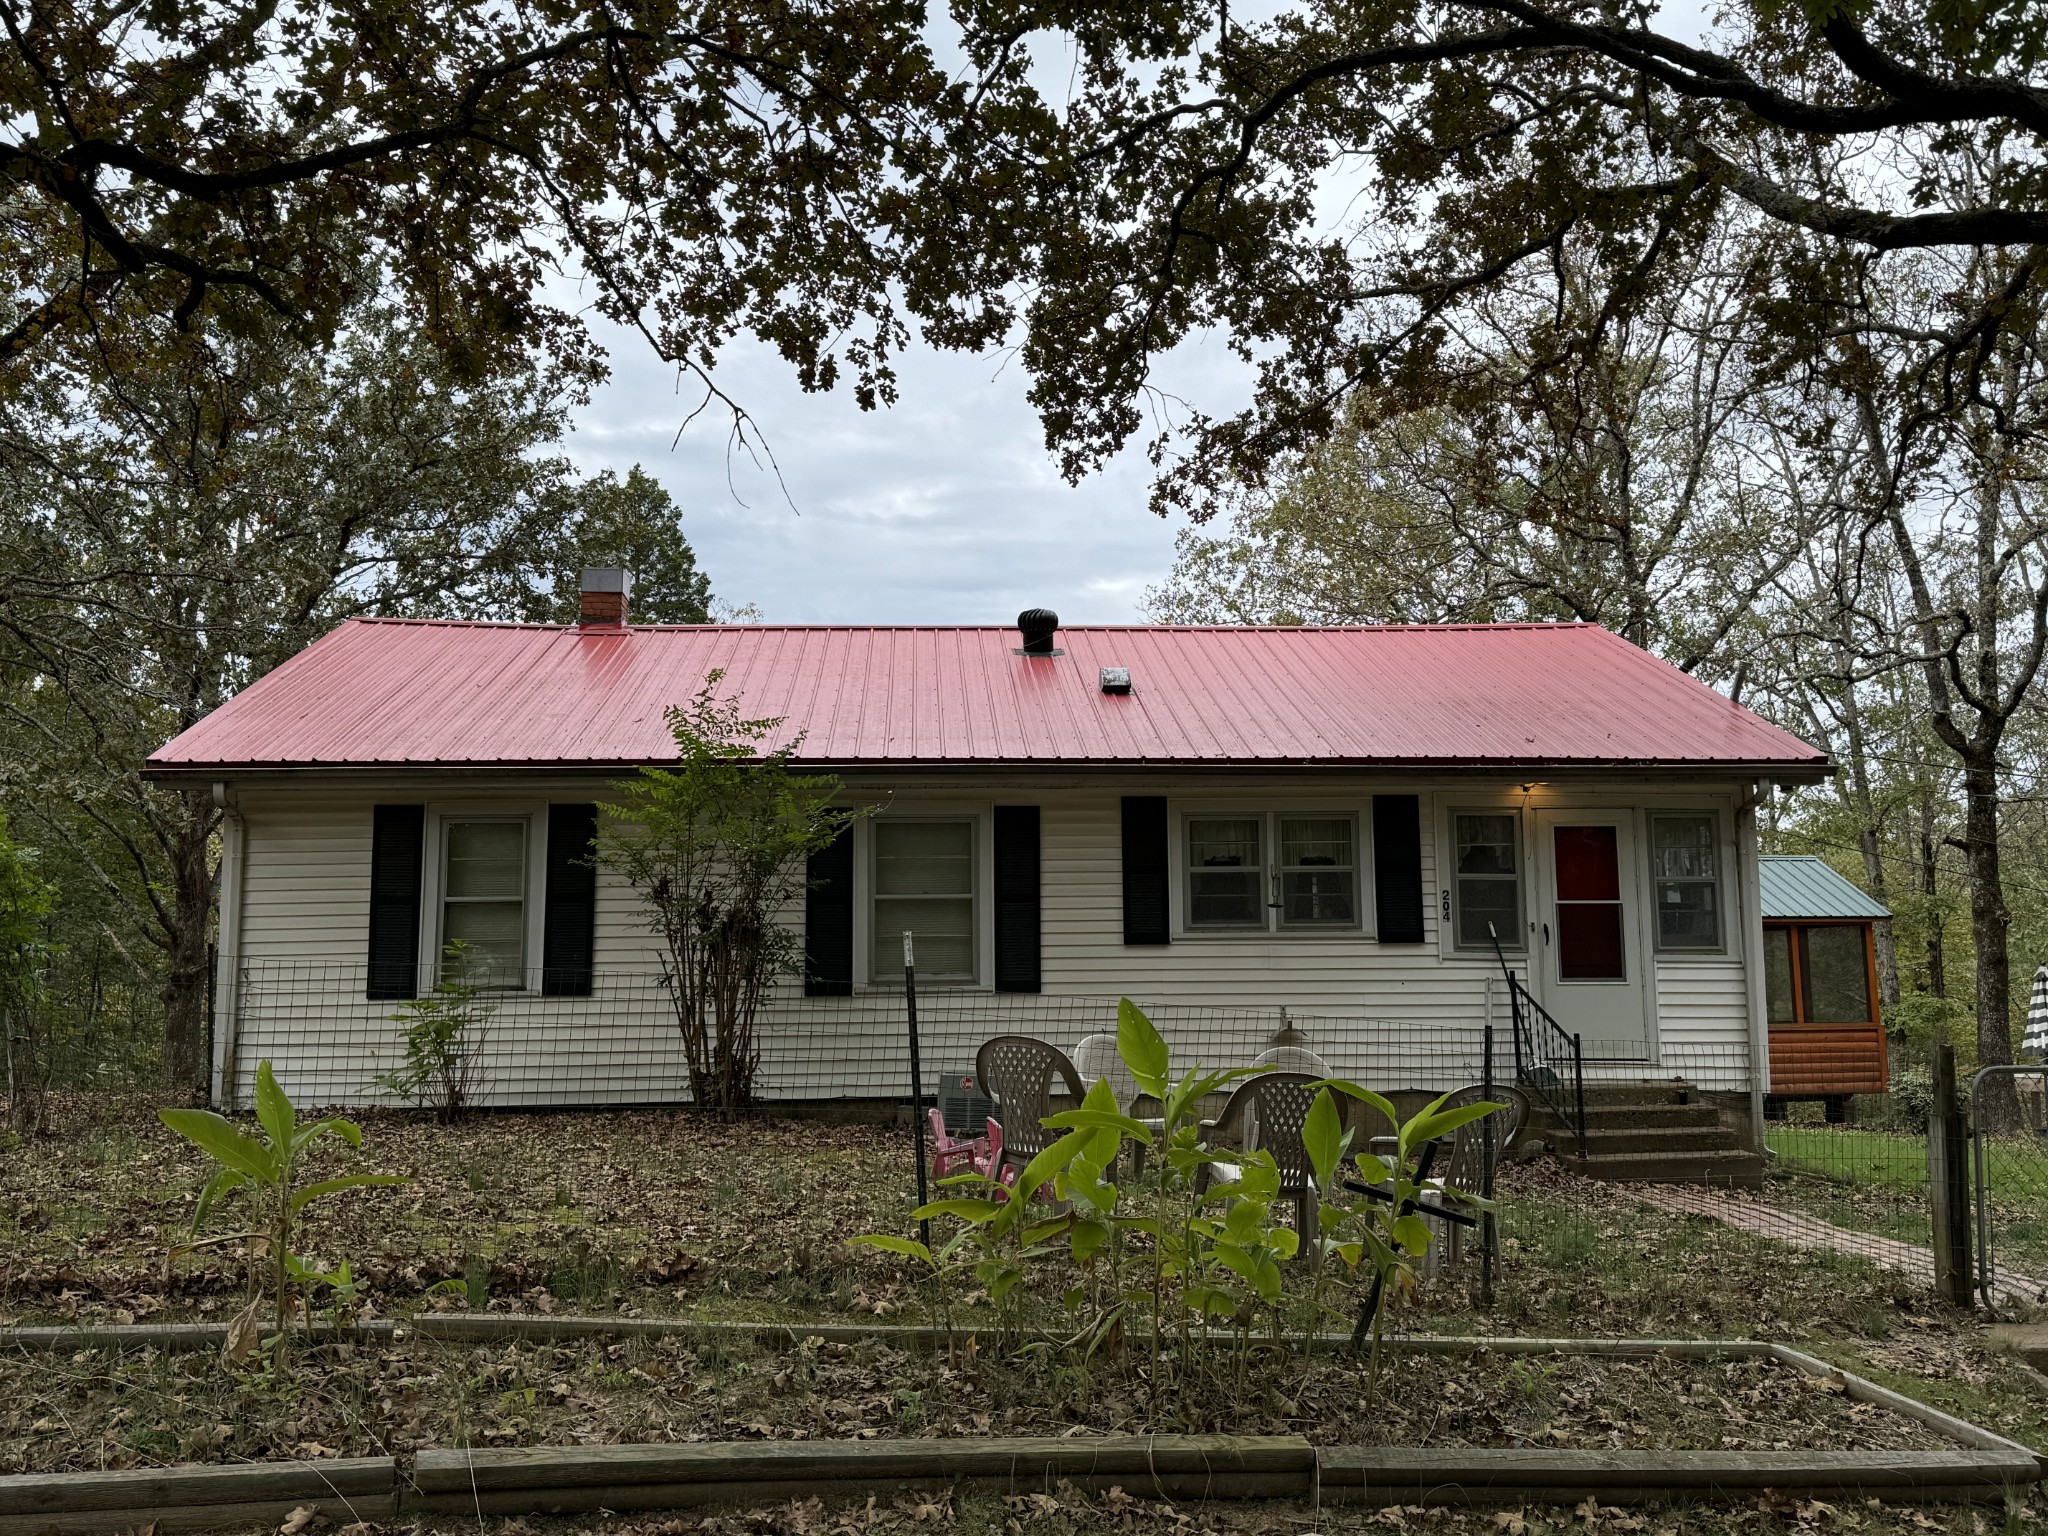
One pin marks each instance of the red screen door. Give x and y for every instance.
(1590, 945)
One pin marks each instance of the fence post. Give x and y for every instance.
(1948, 1182)
(1488, 1148)
(924, 1228)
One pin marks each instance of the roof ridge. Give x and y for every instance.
(1003, 629)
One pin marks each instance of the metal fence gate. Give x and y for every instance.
(2009, 1176)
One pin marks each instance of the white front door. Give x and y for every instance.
(1589, 931)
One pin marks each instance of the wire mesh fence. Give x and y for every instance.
(1670, 1173)
(2009, 1158)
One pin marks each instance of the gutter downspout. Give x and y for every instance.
(1749, 861)
(227, 973)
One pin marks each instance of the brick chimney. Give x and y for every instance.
(605, 591)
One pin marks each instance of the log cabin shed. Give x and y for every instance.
(1320, 821)
(1820, 983)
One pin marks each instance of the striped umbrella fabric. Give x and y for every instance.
(2035, 1041)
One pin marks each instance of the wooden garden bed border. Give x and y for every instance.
(543, 1480)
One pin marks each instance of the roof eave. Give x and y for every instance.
(1780, 771)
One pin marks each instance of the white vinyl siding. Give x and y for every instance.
(306, 907)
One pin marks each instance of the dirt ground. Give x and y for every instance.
(665, 1213)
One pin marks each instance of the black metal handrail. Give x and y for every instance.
(1543, 1051)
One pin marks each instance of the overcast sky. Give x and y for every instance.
(946, 509)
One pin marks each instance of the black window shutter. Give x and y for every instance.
(1017, 892)
(1145, 870)
(398, 835)
(828, 920)
(1397, 867)
(568, 934)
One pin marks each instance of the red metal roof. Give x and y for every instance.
(379, 692)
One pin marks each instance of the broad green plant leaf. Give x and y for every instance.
(1367, 1097)
(224, 1183)
(274, 1111)
(1412, 1233)
(909, 1247)
(1433, 1123)
(1322, 1134)
(305, 1197)
(220, 1140)
(347, 1130)
(969, 1210)
(1142, 1048)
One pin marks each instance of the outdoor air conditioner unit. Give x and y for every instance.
(962, 1105)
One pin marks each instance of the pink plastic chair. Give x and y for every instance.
(957, 1154)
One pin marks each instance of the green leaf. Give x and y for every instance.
(909, 1247)
(224, 1183)
(312, 1192)
(998, 1278)
(221, 1141)
(1373, 1168)
(1142, 1048)
(1088, 1239)
(1044, 1166)
(1322, 1134)
(274, 1111)
(1096, 1119)
(1412, 1233)
(1209, 1299)
(1428, 1126)
(347, 1130)
(1286, 1241)
(1367, 1097)
(962, 1209)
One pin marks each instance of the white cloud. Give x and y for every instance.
(946, 509)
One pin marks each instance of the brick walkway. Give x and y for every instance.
(1747, 1213)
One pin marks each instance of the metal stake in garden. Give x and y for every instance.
(924, 1228)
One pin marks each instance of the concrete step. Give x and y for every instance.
(1603, 1116)
(1672, 1139)
(1723, 1169)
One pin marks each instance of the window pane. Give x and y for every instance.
(492, 935)
(1588, 866)
(1778, 975)
(1589, 943)
(1688, 914)
(486, 859)
(1488, 901)
(1232, 844)
(1682, 848)
(1225, 897)
(944, 934)
(1486, 845)
(924, 858)
(1837, 978)
(1315, 842)
(1313, 896)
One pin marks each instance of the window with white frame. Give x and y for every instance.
(483, 899)
(923, 882)
(1265, 870)
(1486, 883)
(1685, 866)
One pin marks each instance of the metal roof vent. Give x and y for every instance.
(1039, 628)
(1116, 679)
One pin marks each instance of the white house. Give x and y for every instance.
(1222, 823)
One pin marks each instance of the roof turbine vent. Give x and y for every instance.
(1039, 627)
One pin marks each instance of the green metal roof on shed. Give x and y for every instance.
(1803, 885)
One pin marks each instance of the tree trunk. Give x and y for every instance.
(1998, 1104)
(186, 1068)
(1887, 949)
(1937, 959)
